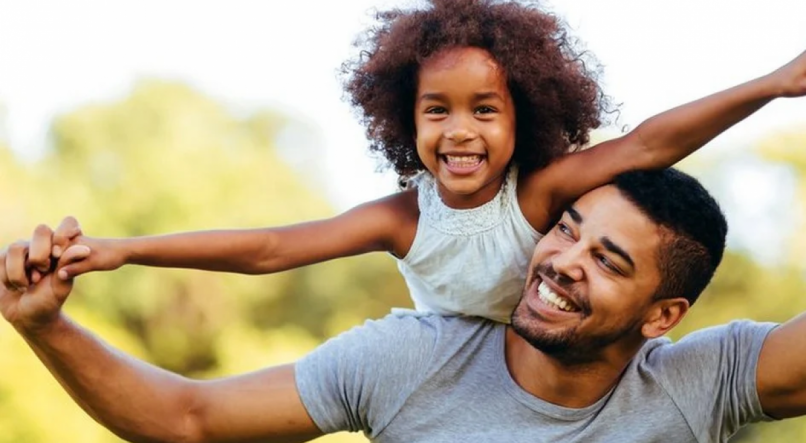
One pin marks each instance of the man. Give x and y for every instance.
(582, 360)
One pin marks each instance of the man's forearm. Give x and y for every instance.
(137, 401)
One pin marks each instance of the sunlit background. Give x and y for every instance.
(150, 117)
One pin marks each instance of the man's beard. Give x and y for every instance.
(568, 345)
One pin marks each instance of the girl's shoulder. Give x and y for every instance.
(401, 213)
(403, 204)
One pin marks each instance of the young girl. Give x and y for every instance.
(476, 104)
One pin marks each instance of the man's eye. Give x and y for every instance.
(608, 264)
(562, 227)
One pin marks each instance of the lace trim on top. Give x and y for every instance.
(463, 222)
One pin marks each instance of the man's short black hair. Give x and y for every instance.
(693, 228)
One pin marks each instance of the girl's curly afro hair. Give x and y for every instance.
(553, 84)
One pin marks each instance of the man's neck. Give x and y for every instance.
(568, 385)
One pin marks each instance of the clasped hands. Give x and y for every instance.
(34, 285)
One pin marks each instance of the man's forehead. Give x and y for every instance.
(611, 212)
(603, 195)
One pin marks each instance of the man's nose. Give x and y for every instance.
(568, 263)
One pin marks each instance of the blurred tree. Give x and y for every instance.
(790, 148)
(164, 159)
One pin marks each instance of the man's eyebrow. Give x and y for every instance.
(574, 214)
(616, 249)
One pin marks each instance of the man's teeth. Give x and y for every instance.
(551, 298)
(463, 161)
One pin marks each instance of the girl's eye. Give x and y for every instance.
(484, 110)
(436, 110)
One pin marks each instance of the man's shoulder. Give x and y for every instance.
(708, 376)
(360, 379)
(706, 338)
(403, 327)
(430, 324)
(695, 367)
(702, 349)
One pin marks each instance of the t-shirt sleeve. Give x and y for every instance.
(711, 377)
(359, 380)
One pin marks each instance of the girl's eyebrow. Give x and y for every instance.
(432, 96)
(477, 96)
(488, 95)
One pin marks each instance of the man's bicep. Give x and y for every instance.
(782, 370)
(264, 405)
(711, 375)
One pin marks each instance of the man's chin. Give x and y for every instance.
(531, 328)
(566, 343)
(562, 346)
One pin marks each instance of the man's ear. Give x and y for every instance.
(664, 315)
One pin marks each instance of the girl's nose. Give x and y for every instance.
(460, 134)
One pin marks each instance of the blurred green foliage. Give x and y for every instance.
(166, 159)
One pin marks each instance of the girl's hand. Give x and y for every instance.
(791, 78)
(105, 254)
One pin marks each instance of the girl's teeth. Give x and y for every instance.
(463, 161)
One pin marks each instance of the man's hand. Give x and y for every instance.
(31, 297)
(105, 254)
(791, 78)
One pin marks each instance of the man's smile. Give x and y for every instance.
(548, 305)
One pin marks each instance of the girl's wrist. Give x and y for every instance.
(772, 86)
(124, 250)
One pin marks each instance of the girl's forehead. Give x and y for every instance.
(461, 65)
(459, 57)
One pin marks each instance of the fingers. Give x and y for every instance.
(68, 230)
(39, 252)
(36, 276)
(73, 254)
(62, 285)
(13, 267)
(74, 270)
(9, 296)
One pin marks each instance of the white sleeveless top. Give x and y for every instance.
(469, 261)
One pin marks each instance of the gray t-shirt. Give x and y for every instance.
(444, 379)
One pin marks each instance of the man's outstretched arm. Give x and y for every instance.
(135, 400)
(781, 376)
(143, 403)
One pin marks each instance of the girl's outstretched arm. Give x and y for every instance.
(658, 142)
(387, 224)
